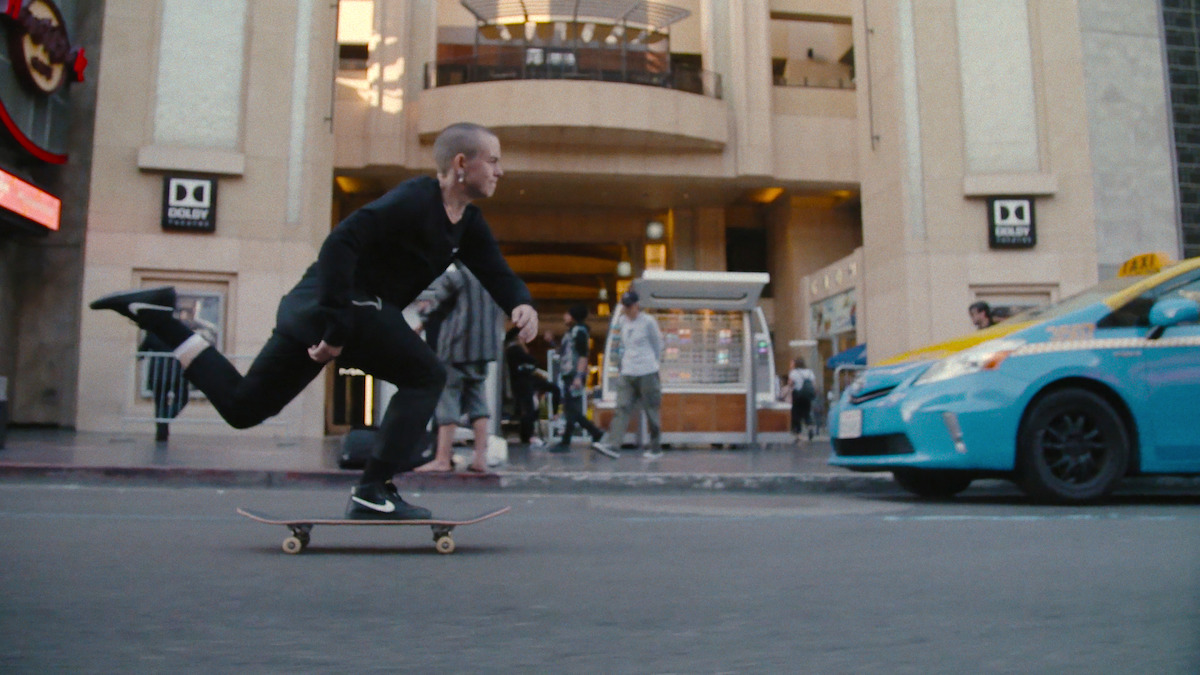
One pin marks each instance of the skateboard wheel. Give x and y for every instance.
(444, 544)
(293, 545)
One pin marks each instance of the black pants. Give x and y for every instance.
(524, 391)
(801, 406)
(382, 345)
(572, 405)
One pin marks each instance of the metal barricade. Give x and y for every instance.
(158, 382)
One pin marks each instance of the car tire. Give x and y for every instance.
(1072, 448)
(931, 483)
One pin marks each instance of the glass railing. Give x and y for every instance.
(448, 73)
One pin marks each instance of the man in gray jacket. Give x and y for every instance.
(638, 386)
(468, 340)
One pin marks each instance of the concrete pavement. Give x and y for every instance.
(247, 460)
(232, 460)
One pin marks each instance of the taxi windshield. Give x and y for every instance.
(1092, 295)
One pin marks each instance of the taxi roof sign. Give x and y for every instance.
(1146, 263)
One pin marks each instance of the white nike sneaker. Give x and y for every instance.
(380, 501)
(132, 303)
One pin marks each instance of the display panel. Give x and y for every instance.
(702, 349)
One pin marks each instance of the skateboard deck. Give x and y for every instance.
(301, 527)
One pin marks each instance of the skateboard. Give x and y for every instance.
(300, 527)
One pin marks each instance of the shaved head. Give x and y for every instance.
(463, 138)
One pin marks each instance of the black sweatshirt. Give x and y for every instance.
(392, 249)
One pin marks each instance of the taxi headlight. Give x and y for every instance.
(986, 356)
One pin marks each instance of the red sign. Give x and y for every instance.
(43, 61)
(29, 201)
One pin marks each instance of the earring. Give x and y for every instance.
(462, 177)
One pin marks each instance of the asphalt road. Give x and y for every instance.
(103, 579)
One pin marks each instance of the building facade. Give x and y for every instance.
(48, 78)
(887, 161)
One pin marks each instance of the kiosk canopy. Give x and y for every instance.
(701, 290)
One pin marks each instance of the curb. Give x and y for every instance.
(522, 481)
(516, 481)
(773, 483)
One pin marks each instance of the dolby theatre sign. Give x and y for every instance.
(42, 61)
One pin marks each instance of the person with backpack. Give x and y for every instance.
(802, 382)
(573, 373)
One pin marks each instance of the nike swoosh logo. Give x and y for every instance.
(135, 307)
(376, 303)
(386, 507)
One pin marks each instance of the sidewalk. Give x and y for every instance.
(231, 460)
(249, 461)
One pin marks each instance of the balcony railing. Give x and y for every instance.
(463, 71)
(817, 82)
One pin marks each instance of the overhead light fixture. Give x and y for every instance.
(560, 30)
(349, 184)
(766, 195)
(603, 294)
(504, 33)
(655, 230)
(530, 31)
(588, 32)
(624, 269)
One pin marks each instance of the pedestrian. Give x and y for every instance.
(349, 306)
(573, 364)
(802, 383)
(638, 385)
(468, 340)
(981, 314)
(528, 384)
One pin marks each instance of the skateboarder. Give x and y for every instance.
(349, 304)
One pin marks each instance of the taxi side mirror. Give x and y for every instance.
(1173, 311)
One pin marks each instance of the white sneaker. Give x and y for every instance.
(536, 442)
(652, 454)
(605, 449)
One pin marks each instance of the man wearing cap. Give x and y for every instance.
(638, 386)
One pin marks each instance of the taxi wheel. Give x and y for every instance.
(932, 484)
(1073, 448)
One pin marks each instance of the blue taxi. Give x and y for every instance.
(1064, 400)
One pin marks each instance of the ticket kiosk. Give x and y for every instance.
(718, 366)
